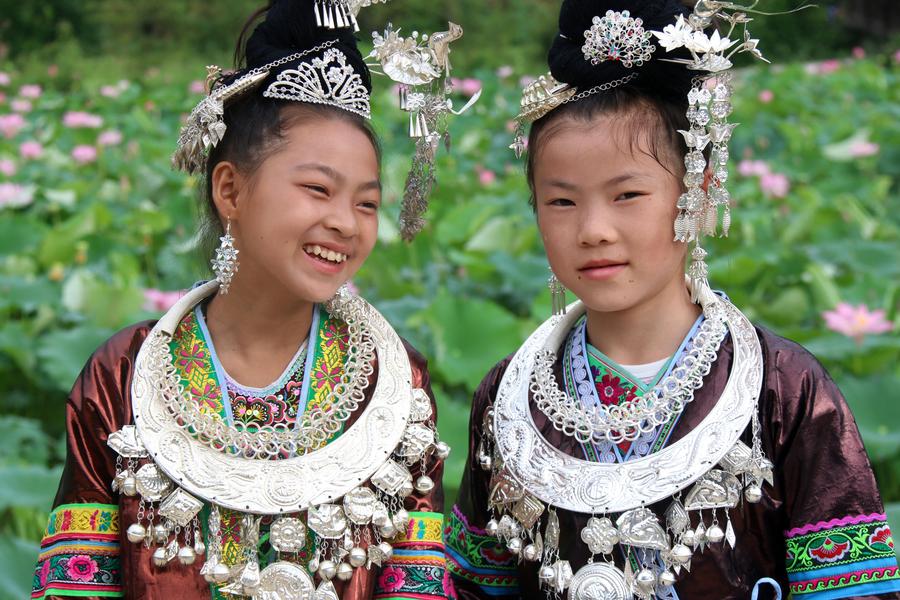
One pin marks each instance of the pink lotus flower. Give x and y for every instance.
(20, 106)
(30, 149)
(110, 137)
(197, 87)
(53, 70)
(897, 56)
(863, 148)
(75, 119)
(11, 124)
(858, 52)
(504, 71)
(109, 91)
(4, 78)
(83, 154)
(766, 96)
(856, 321)
(7, 167)
(485, 176)
(159, 300)
(14, 195)
(753, 168)
(774, 185)
(468, 86)
(31, 90)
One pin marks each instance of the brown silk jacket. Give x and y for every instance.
(85, 549)
(820, 532)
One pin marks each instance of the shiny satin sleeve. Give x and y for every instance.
(417, 568)
(838, 543)
(480, 566)
(81, 547)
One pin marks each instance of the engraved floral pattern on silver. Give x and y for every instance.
(327, 520)
(716, 489)
(284, 580)
(328, 79)
(600, 535)
(180, 507)
(152, 483)
(599, 581)
(288, 534)
(359, 505)
(640, 528)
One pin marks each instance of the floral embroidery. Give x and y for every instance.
(475, 556)
(79, 552)
(191, 359)
(610, 389)
(841, 554)
(392, 579)
(259, 411)
(417, 568)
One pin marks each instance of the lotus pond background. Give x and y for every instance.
(96, 231)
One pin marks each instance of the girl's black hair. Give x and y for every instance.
(256, 125)
(653, 105)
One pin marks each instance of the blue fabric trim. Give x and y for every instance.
(468, 566)
(312, 340)
(866, 589)
(414, 552)
(217, 365)
(873, 563)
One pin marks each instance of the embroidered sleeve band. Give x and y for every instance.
(79, 553)
(417, 567)
(479, 558)
(840, 558)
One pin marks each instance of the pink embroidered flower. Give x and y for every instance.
(83, 154)
(32, 91)
(30, 149)
(766, 96)
(325, 375)
(76, 118)
(45, 572)
(882, 537)
(495, 554)
(11, 124)
(775, 185)
(830, 550)
(110, 137)
(160, 300)
(856, 322)
(391, 579)
(208, 397)
(81, 568)
(191, 359)
(7, 167)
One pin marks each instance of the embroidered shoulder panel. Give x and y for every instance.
(79, 553)
(854, 554)
(475, 556)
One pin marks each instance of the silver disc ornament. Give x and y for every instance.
(284, 580)
(599, 581)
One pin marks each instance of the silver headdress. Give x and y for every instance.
(421, 65)
(617, 36)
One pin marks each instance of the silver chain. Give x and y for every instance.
(601, 88)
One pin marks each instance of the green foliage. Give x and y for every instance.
(75, 259)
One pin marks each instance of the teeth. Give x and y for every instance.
(329, 255)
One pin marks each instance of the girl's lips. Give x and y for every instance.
(601, 273)
(325, 267)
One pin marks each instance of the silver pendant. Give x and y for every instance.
(528, 510)
(327, 520)
(505, 490)
(677, 518)
(599, 581)
(180, 507)
(562, 575)
(284, 580)
(421, 406)
(640, 528)
(126, 444)
(326, 591)
(551, 532)
(600, 535)
(288, 534)
(390, 477)
(152, 483)
(508, 527)
(359, 505)
(716, 489)
(737, 460)
(416, 440)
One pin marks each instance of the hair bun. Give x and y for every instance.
(568, 64)
(289, 27)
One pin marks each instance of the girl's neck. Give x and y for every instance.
(648, 331)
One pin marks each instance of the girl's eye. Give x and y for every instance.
(629, 195)
(561, 202)
(319, 189)
(370, 205)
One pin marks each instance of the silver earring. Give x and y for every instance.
(225, 264)
(698, 271)
(557, 295)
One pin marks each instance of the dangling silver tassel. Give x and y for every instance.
(557, 295)
(404, 91)
(317, 7)
(698, 271)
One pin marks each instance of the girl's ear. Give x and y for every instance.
(707, 179)
(226, 185)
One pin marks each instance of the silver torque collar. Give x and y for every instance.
(589, 487)
(267, 487)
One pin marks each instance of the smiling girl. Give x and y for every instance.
(650, 442)
(271, 435)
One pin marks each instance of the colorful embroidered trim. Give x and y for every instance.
(840, 557)
(417, 568)
(479, 558)
(193, 362)
(79, 553)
